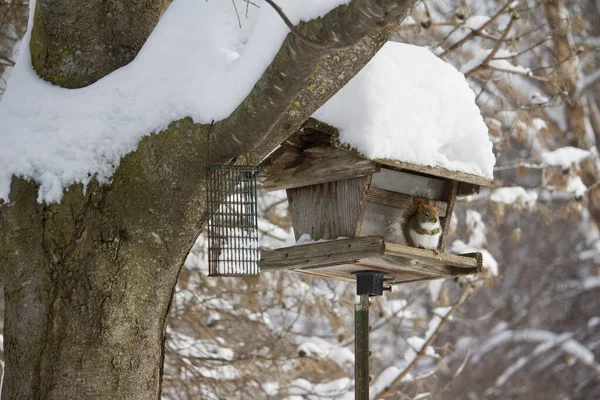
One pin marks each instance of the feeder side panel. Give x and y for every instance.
(328, 210)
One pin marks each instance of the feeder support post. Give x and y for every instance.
(361, 349)
(368, 283)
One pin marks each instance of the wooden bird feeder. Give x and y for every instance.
(351, 208)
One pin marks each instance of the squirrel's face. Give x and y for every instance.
(428, 213)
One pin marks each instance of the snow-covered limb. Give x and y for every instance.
(492, 53)
(547, 340)
(259, 73)
(393, 384)
(537, 335)
(470, 36)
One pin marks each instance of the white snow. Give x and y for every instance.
(514, 194)
(499, 61)
(423, 396)
(436, 320)
(338, 389)
(579, 351)
(489, 263)
(576, 186)
(197, 62)
(565, 156)
(416, 344)
(476, 228)
(539, 124)
(320, 348)
(568, 345)
(398, 108)
(385, 379)
(591, 282)
(435, 286)
(305, 239)
(593, 322)
(538, 99)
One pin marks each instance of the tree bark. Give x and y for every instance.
(78, 42)
(88, 282)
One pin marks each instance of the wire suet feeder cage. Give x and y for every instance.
(233, 225)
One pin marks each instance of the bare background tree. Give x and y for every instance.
(531, 331)
(13, 24)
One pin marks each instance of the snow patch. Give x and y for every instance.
(395, 108)
(514, 195)
(565, 156)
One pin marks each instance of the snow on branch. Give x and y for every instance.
(393, 383)
(548, 339)
(253, 74)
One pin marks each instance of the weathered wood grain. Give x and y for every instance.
(325, 253)
(399, 200)
(437, 171)
(314, 124)
(324, 273)
(315, 165)
(363, 205)
(327, 210)
(450, 193)
(462, 261)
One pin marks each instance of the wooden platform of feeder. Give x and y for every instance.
(338, 259)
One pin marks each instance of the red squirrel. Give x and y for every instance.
(422, 229)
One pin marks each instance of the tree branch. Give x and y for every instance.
(474, 32)
(388, 391)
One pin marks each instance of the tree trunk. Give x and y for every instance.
(88, 282)
(567, 72)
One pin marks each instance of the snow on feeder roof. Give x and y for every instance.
(408, 105)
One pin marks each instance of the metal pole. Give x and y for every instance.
(361, 348)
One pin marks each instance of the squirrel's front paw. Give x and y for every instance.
(437, 252)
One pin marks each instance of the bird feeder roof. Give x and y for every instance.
(315, 155)
(409, 105)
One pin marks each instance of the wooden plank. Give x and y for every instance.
(327, 210)
(403, 279)
(323, 274)
(462, 261)
(404, 265)
(449, 196)
(394, 269)
(315, 165)
(363, 206)
(400, 200)
(341, 251)
(477, 256)
(437, 171)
